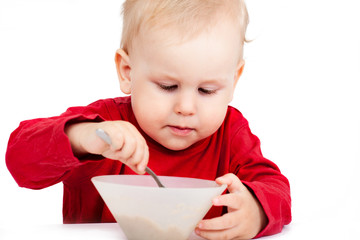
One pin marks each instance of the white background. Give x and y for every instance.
(299, 91)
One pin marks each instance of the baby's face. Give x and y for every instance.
(180, 92)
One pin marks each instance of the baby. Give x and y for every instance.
(180, 62)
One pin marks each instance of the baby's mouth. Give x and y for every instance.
(181, 131)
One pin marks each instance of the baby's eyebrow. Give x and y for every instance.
(165, 76)
(175, 79)
(220, 81)
(213, 80)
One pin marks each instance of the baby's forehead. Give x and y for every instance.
(178, 23)
(218, 37)
(168, 36)
(219, 47)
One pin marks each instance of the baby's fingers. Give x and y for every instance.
(232, 181)
(126, 151)
(231, 200)
(139, 159)
(226, 221)
(231, 233)
(126, 145)
(134, 153)
(224, 227)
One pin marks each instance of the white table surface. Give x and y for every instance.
(103, 231)
(321, 229)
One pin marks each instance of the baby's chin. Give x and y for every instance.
(176, 145)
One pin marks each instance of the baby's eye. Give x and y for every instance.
(168, 87)
(206, 91)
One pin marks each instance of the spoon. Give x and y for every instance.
(104, 136)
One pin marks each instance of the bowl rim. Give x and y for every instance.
(107, 180)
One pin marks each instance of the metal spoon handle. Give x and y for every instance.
(104, 136)
(157, 180)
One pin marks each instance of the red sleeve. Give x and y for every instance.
(39, 152)
(263, 178)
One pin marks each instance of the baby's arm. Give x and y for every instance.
(128, 145)
(267, 192)
(39, 153)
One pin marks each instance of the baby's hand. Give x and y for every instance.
(245, 217)
(128, 145)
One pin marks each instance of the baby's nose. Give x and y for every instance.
(185, 105)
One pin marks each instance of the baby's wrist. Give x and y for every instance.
(76, 133)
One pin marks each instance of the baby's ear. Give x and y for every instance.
(123, 70)
(239, 71)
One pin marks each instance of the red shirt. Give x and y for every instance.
(39, 155)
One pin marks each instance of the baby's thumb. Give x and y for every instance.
(232, 181)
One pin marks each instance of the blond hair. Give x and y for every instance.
(188, 17)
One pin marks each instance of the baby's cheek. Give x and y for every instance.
(212, 120)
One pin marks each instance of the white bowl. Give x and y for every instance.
(145, 211)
